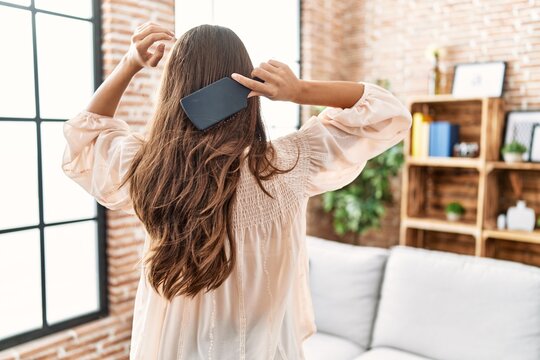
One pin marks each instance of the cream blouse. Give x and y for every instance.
(263, 310)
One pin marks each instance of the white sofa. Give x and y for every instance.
(414, 304)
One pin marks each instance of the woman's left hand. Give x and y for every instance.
(147, 34)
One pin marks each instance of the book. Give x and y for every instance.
(420, 135)
(443, 136)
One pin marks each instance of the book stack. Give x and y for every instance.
(432, 138)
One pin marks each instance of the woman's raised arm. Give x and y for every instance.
(362, 120)
(99, 146)
(106, 98)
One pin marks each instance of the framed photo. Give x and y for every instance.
(479, 79)
(519, 127)
(534, 152)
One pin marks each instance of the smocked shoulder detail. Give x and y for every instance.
(253, 206)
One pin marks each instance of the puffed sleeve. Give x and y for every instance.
(97, 155)
(339, 141)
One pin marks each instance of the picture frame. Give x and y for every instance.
(481, 79)
(519, 125)
(534, 149)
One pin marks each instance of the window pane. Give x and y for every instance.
(65, 65)
(63, 198)
(16, 64)
(18, 183)
(81, 8)
(20, 283)
(71, 270)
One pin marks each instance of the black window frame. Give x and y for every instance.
(100, 218)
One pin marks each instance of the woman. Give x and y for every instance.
(225, 272)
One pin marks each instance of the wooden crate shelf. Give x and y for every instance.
(473, 163)
(501, 165)
(513, 235)
(441, 240)
(485, 186)
(443, 98)
(441, 225)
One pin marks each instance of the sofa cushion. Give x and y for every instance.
(449, 306)
(345, 284)
(322, 346)
(388, 354)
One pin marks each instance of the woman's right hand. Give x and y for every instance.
(280, 83)
(147, 34)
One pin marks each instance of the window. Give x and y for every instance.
(52, 251)
(269, 29)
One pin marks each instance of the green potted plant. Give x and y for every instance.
(454, 211)
(513, 152)
(538, 222)
(360, 206)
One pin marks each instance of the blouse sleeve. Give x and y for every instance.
(341, 141)
(97, 155)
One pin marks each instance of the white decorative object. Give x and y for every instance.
(520, 217)
(513, 157)
(450, 216)
(501, 222)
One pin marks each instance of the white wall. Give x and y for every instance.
(269, 29)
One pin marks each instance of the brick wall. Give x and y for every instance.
(109, 338)
(388, 38)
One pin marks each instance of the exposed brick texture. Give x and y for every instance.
(387, 39)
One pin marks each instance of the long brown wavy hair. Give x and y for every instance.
(183, 181)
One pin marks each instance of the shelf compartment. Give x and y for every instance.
(503, 249)
(441, 225)
(431, 189)
(455, 162)
(441, 241)
(465, 113)
(505, 188)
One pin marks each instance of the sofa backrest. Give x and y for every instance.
(345, 285)
(454, 307)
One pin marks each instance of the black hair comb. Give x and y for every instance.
(216, 102)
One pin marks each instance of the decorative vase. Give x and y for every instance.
(520, 217)
(450, 216)
(434, 86)
(513, 157)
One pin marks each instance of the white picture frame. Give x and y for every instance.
(519, 126)
(479, 79)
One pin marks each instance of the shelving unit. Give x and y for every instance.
(485, 186)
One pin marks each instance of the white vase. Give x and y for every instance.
(453, 216)
(513, 157)
(520, 217)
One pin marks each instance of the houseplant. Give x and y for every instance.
(513, 152)
(360, 205)
(454, 211)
